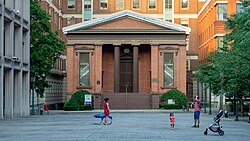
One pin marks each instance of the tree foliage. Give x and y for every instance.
(45, 46)
(229, 68)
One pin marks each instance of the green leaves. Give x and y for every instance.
(45, 47)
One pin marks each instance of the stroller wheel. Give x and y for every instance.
(221, 132)
(205, 132)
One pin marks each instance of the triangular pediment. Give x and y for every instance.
(126, 20)
(126, 23)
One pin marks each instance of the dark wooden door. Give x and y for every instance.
(126, 75)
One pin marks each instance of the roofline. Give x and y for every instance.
(131, 14)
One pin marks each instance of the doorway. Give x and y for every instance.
(126, 69)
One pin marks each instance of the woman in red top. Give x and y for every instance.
(106, 110)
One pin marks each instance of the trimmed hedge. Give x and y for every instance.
(170, 106)
(76, 102)
(176, 95)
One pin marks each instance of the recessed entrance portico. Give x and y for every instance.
(124, 58)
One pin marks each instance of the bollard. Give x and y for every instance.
(226, 114)
(41, 111)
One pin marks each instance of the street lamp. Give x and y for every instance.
(210, 100)
(221, 90)
(33, 79)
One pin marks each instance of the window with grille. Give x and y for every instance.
(71, 4)
(136, 4)
(103, 4)
(184, 3)
(222, 11)
(84, 70)
(168, 10)
(151, 4)
(168, 69)
(120, 4)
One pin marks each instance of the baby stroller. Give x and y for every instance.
(215, 126)
(102, 116)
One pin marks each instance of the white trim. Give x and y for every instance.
(220, 2)
(194, 16)
(72, 15)
(54, 7)
(192, 57)
(219, 35)
(128, 13)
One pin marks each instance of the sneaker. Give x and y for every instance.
(197, 126)
(194, 126)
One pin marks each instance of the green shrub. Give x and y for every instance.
(76, 103)
(176, 95)
(170, 106)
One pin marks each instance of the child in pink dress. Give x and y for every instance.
(172, 120)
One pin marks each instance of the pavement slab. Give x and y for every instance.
(126, 126)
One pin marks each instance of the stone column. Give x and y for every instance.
(135, 68)
(17, 94)
(154, 68)
(98, 66)
(117, 68)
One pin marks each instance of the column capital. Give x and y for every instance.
(98, 45)
(135, 45)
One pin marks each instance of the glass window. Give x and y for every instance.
(151, 4)
(136, 4)
(222, 11)
(104, 4)
(119, 4)
(87, 10)
(84, 69)
(87, 4)
(71, 4)
(184, 22)
(220, 43)
(239, 7)
(168, 69)
(184, 3)
(168, 10)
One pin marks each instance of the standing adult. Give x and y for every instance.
(197, 108)
(106, 110)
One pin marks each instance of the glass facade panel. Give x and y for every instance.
(222, 11)
(84, 69)
(119, 4)
(136, 4)
(168, 68)
(151, 4)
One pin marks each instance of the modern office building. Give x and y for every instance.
(14, 58)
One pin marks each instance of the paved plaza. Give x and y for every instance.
(132, 126)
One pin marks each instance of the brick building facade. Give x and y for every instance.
(193, 14)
